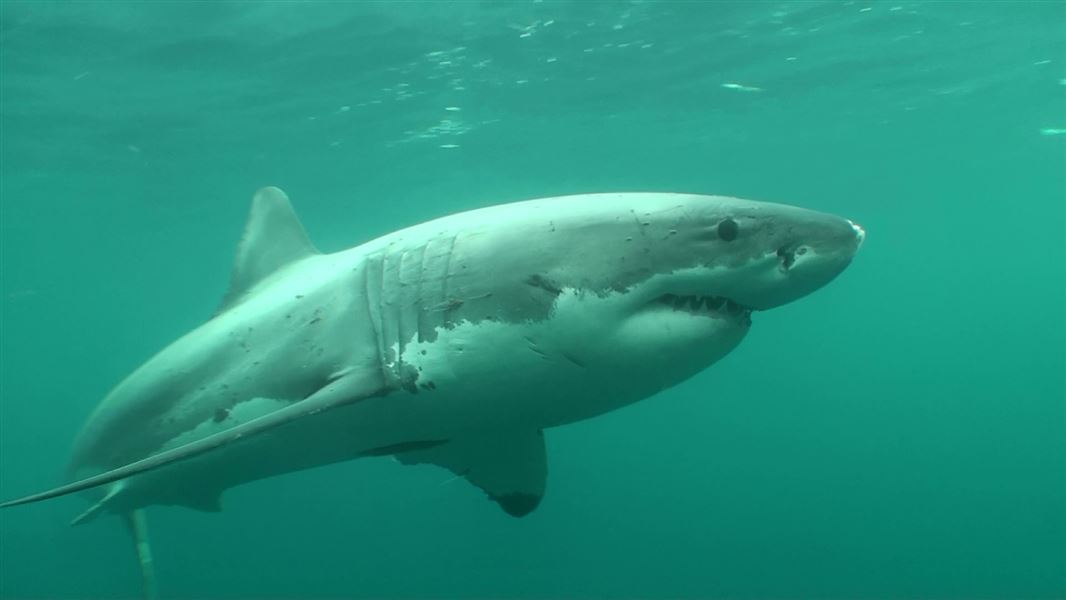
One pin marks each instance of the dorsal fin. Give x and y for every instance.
(273, 238)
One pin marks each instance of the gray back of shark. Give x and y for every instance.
(455, 342)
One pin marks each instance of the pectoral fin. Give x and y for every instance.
(348, 389)
(511, 466)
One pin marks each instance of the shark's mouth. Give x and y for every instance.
(712, 306)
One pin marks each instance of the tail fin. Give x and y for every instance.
(138, 527)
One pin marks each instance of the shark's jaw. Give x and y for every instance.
(714, 307)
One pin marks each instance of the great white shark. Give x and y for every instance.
(455, 342)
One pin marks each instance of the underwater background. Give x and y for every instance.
(898, 434)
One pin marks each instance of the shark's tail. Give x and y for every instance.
(138, 527)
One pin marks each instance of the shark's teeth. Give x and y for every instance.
(713, 305)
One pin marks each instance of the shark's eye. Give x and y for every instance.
(728, 230)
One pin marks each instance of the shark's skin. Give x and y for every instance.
(454, 342)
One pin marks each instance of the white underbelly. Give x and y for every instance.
(492, 374)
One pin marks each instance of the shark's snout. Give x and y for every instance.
(821, 247)
(802, 251)
(818, 261)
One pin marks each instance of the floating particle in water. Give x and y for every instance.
(452, 108)
(26, 293)
(741, 87)
(1052, 131)
(344, 109)
(449, 146)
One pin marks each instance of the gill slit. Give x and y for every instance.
(446, 318)
(373, 310)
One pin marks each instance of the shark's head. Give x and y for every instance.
(688, 271)
(748, 255)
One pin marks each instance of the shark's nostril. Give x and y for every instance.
(787, 256)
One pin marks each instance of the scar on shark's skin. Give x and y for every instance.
(453, 343)
(539, 281)
(449, 304)
(574, 360)
(455, 303)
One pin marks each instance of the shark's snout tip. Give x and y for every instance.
(860, 233)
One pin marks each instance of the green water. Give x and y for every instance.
(898, 434)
